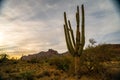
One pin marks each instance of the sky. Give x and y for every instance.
(31, 26)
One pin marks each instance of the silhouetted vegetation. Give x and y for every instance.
(3, 57)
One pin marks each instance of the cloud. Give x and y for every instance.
(111, 38)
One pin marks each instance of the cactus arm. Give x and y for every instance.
(67, 41)
(82, 32)
(71, 31)
(77, 31)
(83, 26)
(77, 17)
(70, 46)
(65, 19)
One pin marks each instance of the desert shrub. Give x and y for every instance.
(61, 62)
(3, 57)
(1, 78)
(91, 61)
(15, 61)
(44, 74)
(34, 60)
(100, 53)
(7, 71)
(116, 76)
(56, 73)
(28, 75)
(92, 67)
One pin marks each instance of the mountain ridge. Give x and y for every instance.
(40, 55)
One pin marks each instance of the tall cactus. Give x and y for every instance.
(75, 47)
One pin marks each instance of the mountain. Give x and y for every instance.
(41, 55)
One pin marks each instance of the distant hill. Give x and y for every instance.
(104, 52)
(41, 55)
(113, 47)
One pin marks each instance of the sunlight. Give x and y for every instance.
(1, 37)
(5, 29)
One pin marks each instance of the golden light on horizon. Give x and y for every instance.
(17, 52)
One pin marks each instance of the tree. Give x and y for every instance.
(92, 41)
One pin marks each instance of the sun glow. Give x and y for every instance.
(1, 37)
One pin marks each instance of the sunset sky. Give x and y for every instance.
(31, 26)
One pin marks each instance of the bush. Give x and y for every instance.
(101, 52)
(62, 62)
(3, 57)
(1, 76)
(34, 60)
(91, 61)
(43, 74)
(28, 75)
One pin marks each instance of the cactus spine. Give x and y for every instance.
(75, 47)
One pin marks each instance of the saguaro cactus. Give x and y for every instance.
(75, 47)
